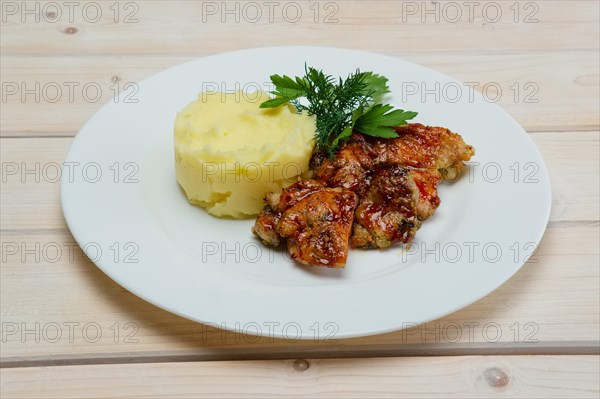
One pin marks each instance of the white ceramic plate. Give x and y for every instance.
(138, 227)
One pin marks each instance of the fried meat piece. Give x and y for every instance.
(265, 227)
(426, 181)
(425, 147)
(318, 227)
(315, 219)
(417, 146)
(348, 169)
(387, 208)
(266, 223)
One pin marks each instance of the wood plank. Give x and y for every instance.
(158, 27)
(416, 377)
(543, 91)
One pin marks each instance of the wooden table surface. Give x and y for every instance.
(70, 331)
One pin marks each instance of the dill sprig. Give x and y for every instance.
(340, 106)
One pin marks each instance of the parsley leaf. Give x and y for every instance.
(378, 86)
(376, 121)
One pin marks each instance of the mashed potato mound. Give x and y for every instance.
(229, 152)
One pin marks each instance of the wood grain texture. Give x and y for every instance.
(543, 91)
(409, 377)
(158, 27)
(549, 305)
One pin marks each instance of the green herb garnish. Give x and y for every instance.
(340, 106)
